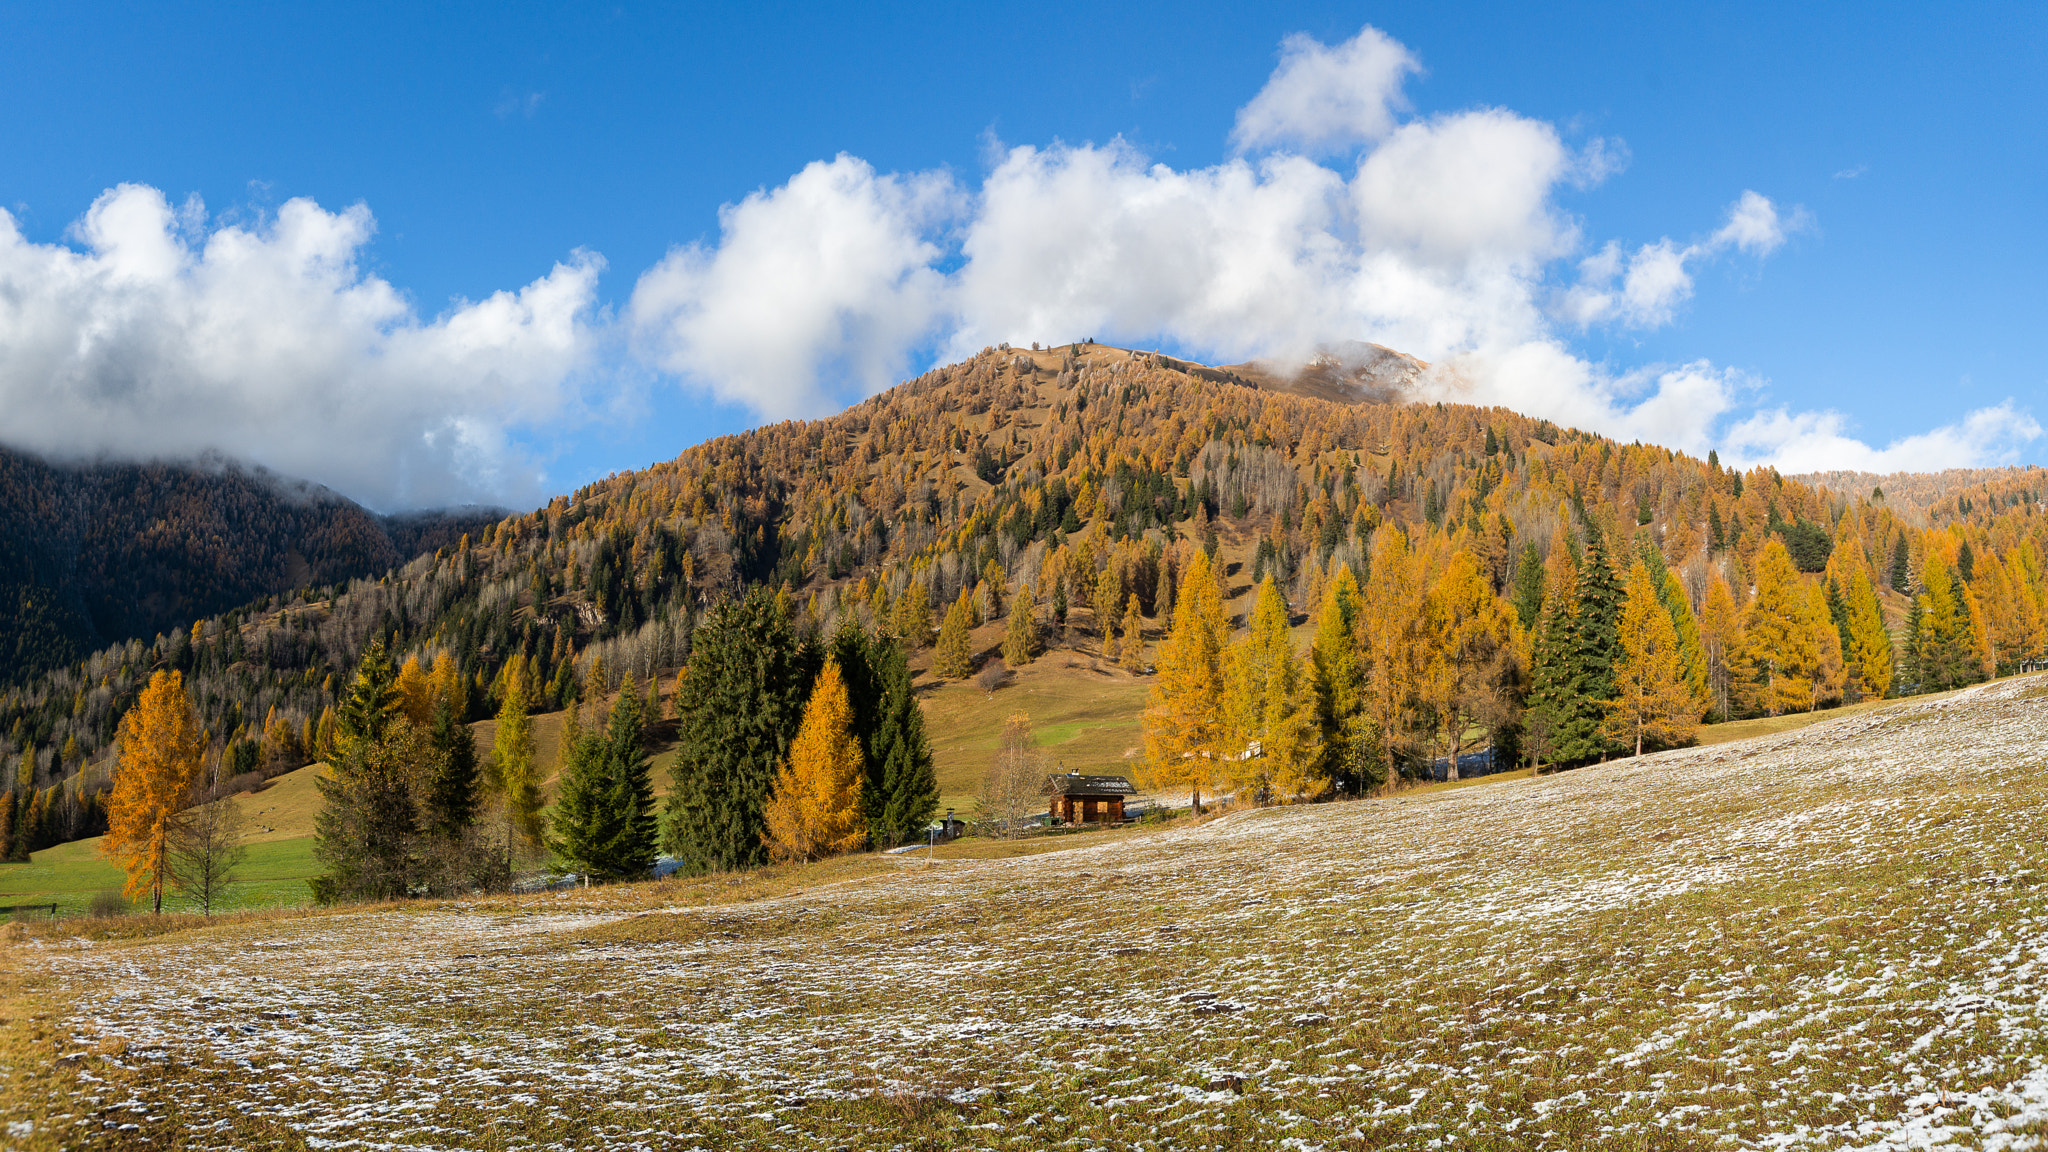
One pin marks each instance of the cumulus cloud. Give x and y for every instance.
(1644, 289)
(1819, 442)
(1441, 236)
(826, 278)
(156, 338)
(1323, 99)
(154, 333)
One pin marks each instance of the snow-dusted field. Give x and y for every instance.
(1836, 938)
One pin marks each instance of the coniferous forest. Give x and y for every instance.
(1359, 588)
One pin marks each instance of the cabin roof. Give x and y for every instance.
(1075, 784)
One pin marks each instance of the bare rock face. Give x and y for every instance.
(1352, 372)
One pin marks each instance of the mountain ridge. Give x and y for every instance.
(1082, 474)
(96, 552)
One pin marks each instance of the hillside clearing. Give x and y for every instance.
(1830, 938)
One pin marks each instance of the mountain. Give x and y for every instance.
(1949, 494)
(1086, 472)
(97, 553)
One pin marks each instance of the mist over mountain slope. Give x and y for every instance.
(91, 554)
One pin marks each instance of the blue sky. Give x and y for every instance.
(1896, 284)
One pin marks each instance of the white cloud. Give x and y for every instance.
(1818, 442)
(1323, 99)
(1441, 240)
(1443, 237)
(1753, 226)
(828, 277)
(268, 343)
(1655, 280)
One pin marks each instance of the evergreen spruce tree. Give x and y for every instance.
(736, 714)
(1949, 655)
(1911, 678)
(1337, 691)
(908, 782)
(1560, 727)
(1598, 623)
(629, 853)
(584, 819)
(1528, 586)
(371, 701)
(451, 800)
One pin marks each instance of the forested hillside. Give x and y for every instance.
(94, 554)
(1939, 497)
(1086, 483)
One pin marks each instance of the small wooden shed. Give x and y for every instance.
(1078, 799)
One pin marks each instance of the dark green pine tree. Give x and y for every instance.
(1528, 596)
(1838, 612)
(1596, 642)
(1901, 573)
(366, 709)
(629, 854)
(604, 821)
(1553, 724)
(451, 799)
(909, 782)
(856, 655)
(584, 820)
(1911, 678)
(736, 713)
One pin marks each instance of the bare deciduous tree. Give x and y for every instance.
(206, 841)
(1015, 781)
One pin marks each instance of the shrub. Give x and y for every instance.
(107, 903)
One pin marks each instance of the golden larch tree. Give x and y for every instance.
(1272, 728)
(512, 768)
(1652, 701)
(1184, 711)
(1020, 637)
(415, 693)
(1720, 643)
(954, 658)
(815, 808)
(1470, 655)
(1131, 646)
(1780, 655)
(1389, 623)
(160, 758)
(1108, 591)
(1870, 654)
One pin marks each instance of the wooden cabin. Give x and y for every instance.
(1078, 799)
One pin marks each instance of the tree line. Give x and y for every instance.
(1103, 470)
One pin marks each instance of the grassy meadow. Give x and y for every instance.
(1825, 938)
(1085, 714)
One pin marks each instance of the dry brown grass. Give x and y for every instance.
(1825, 938)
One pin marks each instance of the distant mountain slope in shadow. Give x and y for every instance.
(95, 553)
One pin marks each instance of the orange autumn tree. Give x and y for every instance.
(160, 754)
(815, 809)
(1652, 700)
(1184, 714)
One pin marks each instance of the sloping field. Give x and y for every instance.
(1833, 938)
(1084, 713)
